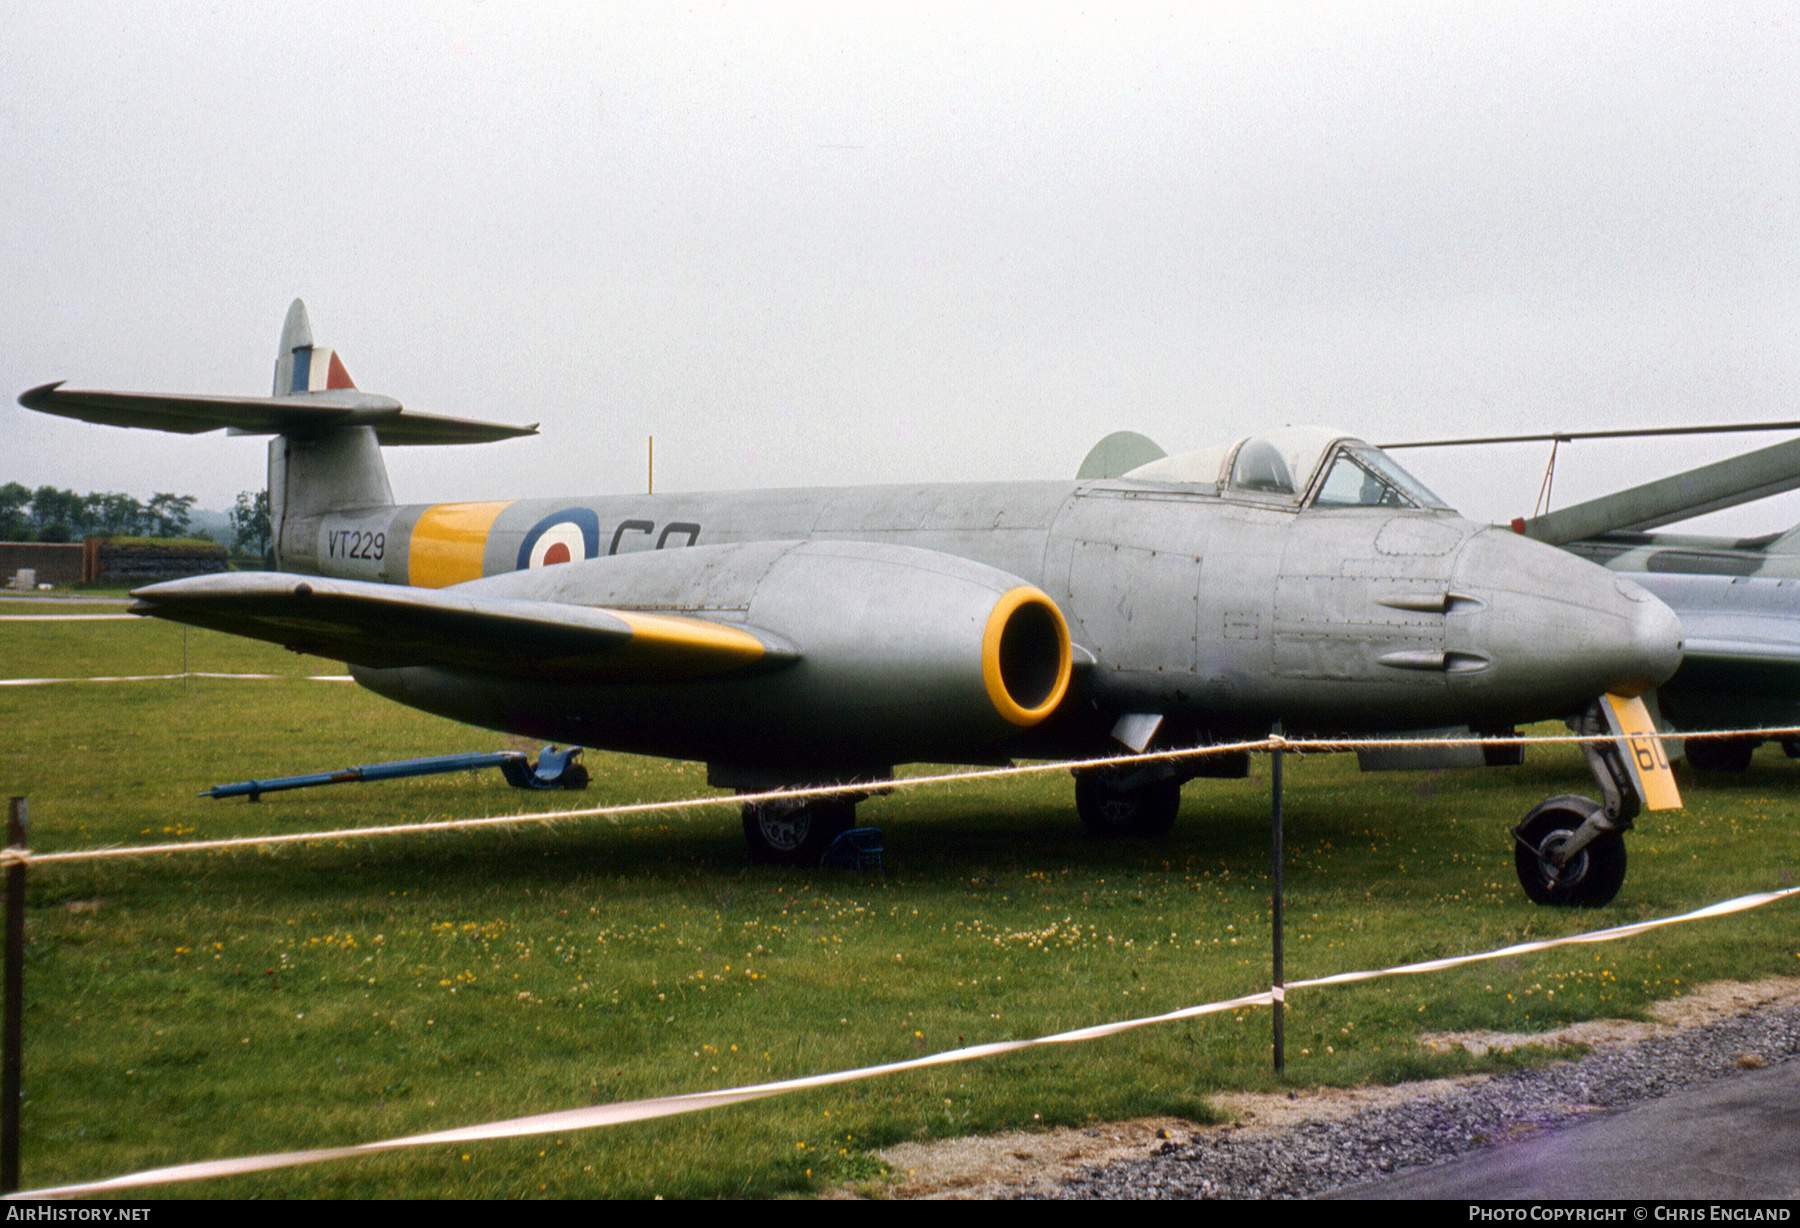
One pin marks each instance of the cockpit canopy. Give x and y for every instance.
(1292, 463)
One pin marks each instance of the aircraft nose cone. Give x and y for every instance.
(1654, 652)
(1558, 629)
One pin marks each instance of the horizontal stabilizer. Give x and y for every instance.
(383, 626)
(305, 413)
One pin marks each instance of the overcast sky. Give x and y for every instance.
(854, 243)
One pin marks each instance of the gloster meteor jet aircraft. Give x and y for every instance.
(813, 636)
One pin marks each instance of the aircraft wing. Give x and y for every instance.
(385, 626)
(300, 413)
(1743, 619)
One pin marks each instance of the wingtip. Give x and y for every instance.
(37, 398)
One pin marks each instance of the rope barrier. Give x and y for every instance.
(604, 1115)
(66, 618)
(179, 677)
(1266, 743)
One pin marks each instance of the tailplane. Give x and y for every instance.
(326, 456)
(313, 395)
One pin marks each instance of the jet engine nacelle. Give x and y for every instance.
(902, 654)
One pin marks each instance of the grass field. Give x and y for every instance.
(183, 1007)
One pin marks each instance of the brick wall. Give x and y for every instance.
(99, 560)
(55, 563)
(143, 563)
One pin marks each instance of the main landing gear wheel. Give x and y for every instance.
(1109, 812)
(1590, 878)
(795, 833)
(1720, 754)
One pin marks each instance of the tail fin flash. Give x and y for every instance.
(302, 367)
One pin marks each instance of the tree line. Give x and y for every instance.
(51, 515)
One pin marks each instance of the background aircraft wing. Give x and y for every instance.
(1740, 662)
(1709, 488)
(384, 626)
(300, 413)
(1741, 618)
(1694, 492)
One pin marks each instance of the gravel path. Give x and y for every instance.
(1319, 1156)
(1325, 1141)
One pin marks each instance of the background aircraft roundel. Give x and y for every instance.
(569, 536)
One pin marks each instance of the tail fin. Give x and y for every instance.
(1118, 454)
(315, 472)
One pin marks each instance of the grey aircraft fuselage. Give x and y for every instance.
(1220, 610)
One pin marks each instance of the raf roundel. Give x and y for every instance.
(568, 536)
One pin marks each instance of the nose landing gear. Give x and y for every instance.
(1569, 850)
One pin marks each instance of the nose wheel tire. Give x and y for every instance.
(1109, 812)
(795, 833)
(1590, 878)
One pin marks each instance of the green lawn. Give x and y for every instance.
(184, 1007)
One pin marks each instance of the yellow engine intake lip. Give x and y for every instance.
(1025, 657)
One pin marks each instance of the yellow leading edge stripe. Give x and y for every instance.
(449, 542)
(668, 649)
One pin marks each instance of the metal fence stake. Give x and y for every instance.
(1278, 1009)
(12, 1028)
